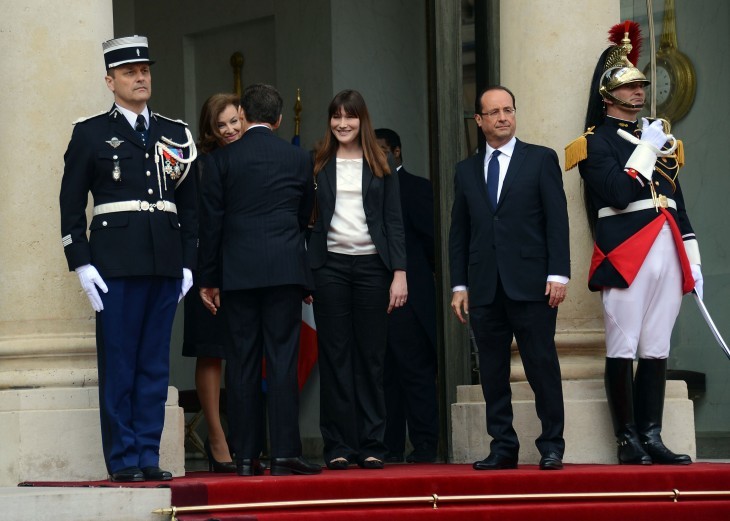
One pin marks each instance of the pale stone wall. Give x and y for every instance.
(54, 70)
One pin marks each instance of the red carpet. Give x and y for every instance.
(202, 488)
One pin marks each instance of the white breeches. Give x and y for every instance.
(639, 319)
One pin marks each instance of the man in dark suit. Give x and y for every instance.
(410, 359)
(140, 253)
(255, 205)
(510, 263)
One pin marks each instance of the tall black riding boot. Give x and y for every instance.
(619, 392)
(651, 380)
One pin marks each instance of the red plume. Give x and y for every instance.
(616, 34)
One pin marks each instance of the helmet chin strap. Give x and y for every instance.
(621, 102)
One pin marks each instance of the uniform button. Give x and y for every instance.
(115, 157)
(148, 173)
(150, 191)
(103, 223)
(146, 156)
(656, 183)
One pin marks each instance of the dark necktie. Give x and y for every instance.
(139, 127)
(493, 178)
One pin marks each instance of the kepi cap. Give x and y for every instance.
(128, 49)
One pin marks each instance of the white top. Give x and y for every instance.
(348, 231)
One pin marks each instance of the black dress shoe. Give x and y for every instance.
(496, 462)
(394, 457)
(288, 466)
(371, 463)
(128, 475)
(551, 461)
(156, 474)
(250, 467)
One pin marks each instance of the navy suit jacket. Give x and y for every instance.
(523, 241)
(381, 202)
(256, 199)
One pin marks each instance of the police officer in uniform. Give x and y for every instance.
(645, 256)
(136, 263)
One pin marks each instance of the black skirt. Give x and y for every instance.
(202, 331)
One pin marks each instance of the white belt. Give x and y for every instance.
(135, 206)
(644, 204)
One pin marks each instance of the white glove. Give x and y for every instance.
(648, 148)
(90, 278)
(187, 283)
(697, 275)
(653, 134)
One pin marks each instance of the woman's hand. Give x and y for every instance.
(398, 290)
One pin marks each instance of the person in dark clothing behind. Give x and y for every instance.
(410, 358)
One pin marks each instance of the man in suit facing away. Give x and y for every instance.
(410, 358)
(510, 264)
(255, 206)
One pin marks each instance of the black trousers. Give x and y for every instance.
(263, 322)
(533, 326)
(350, 309)
(410, 383)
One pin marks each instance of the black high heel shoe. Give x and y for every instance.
(221, 467)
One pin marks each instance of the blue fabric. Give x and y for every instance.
(133, 345)
(493, 178)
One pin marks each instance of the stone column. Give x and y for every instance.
(53, 65)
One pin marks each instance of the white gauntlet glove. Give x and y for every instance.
(90, 278)
(187, 283)
(648, 148)
(697, 275)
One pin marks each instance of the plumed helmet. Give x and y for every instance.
(618, 68)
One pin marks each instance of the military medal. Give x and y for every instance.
(116, 171)
(170, 165)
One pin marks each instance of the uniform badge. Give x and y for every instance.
(115, 142)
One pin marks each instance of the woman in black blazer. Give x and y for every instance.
(357, 254)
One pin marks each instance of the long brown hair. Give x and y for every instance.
(209, 137)
(352, 103)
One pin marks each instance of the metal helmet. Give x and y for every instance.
(618, 69)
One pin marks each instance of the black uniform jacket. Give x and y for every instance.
(127, 243)
(624, 240)
(381, 202)
(416, 197)
(523, 241)
(256, 198)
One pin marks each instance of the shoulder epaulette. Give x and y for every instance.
(82, 119)
(577, 150)
(680, 153)
(181, 122)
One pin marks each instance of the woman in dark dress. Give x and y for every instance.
(221, 123)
